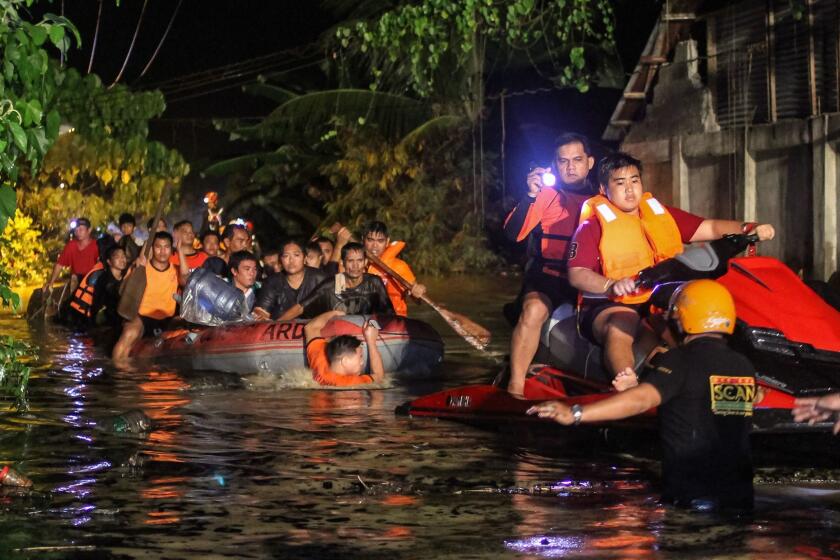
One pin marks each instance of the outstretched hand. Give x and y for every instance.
(553, 410)
(765, 232)
(818, 409)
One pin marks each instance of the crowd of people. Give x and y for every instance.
(586, 242)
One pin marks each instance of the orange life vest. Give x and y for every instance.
(629, 243)
(82, 300)
(157, 302)
(396, 292)
(558, 222)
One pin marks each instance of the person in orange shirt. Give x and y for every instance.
(186, 234)
(378, 243)
(157, 306)
(341, 361)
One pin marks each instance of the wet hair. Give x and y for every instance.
(211, 232)
(299, 244)
(614, 162)
(233, 227)
(341, 346)
(163, 235)
(126, 218)
(239, 257)
(352, 246)
(83, 222)
(150, 224)
(376, 227)
(314, 246)
(182, 223)
(571, 138)
(109, 252)
(323, 239)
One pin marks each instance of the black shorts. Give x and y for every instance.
(153, 327)
(589, 312)
(556, 288)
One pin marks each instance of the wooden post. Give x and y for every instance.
(679, 175)
(812, 63)
(750, 186)
(770, 39)
(824, 188)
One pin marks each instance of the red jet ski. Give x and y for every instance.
(788, 331)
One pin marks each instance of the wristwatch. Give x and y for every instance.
(577, 414)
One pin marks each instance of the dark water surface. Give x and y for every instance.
(234, 470)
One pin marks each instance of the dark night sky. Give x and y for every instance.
(207, 35)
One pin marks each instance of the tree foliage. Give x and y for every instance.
(22, 251)
(107, 165)
(420, 46)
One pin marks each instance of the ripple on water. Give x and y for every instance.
(266, 467)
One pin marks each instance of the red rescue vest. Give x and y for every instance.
(630, 243)
(558, 222)
(82, 300)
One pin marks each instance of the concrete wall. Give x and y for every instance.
(785, 173)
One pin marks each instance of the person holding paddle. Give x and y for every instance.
(80, 254)
(378, 243)
(157, 305)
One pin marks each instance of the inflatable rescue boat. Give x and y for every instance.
(409, 348)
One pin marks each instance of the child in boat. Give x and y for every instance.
(340, 361)
(705, 393)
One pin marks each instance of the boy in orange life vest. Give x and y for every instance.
(340, 361)
(547, 217)
(157, 306)
(378, 243)
(623, 231)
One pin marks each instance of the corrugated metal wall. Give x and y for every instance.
(750, 59)
(740, 49)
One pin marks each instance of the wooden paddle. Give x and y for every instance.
(477, 336)
(133, 287)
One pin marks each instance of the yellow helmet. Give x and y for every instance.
(702, 306)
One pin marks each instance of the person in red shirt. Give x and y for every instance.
(378, 243)
(80, 254)
(340, 361)
(623, 231)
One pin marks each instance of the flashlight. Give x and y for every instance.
(548, 179)
(73, 224)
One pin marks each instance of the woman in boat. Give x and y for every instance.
(291, 286)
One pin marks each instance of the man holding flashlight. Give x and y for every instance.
(547, 217)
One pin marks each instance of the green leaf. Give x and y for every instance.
(57, 36)
(8, 202)
(19, 135)
(38, 34)
(53, 122)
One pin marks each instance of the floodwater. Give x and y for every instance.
(239, 469)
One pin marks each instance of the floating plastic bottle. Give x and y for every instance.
(133, 421)
(11, 477)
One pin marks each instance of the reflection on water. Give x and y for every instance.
(240, 469)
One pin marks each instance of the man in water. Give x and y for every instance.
(354, 291)
(80, 254)
(704, 392)
(341, 361)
